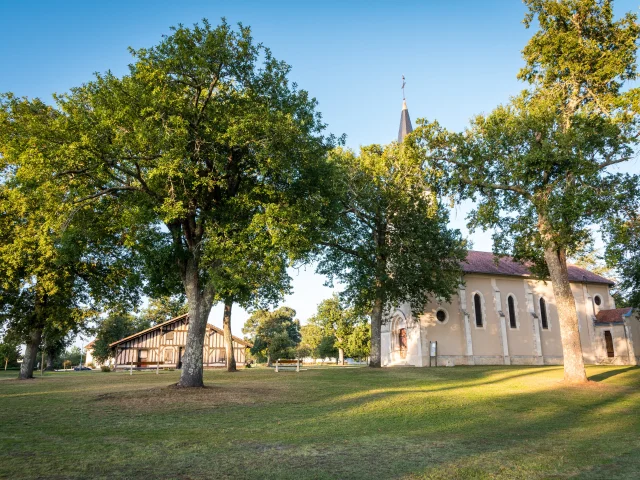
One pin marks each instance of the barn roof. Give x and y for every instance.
(174, 320)
(615, 315)
(485, 262)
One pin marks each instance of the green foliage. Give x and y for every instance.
(273, 334)
(162, 309)
(331, 329)
(311, 337)
(114, 327)
(204, 143)
(105, 368)
(623, 252)
(537, 167)
(58, 265)
(71, 355)
(358, 344)
(581, 54)
(327, 348)
(9, 351)
(391, 241)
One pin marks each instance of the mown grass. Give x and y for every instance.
(462, 422)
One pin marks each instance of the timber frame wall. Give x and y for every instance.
(163, 345)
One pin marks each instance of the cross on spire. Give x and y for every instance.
(403, 84)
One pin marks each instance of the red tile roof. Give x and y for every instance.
(89, 345)
(613, 316)
(485, 263)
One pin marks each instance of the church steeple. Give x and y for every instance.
(405, 122)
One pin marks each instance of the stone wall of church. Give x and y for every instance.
(463, 338)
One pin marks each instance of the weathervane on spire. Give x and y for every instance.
(403, 84)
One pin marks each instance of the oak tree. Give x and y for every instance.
(540, 166)
(390, 244)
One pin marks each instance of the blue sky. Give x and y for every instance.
(459, 57)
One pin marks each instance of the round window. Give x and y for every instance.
(441, 315)
(597, 300)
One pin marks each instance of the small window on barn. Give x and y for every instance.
(441, 315)
(477, 304)
(512, 312)
(168, 356)
(597, 300)
(169, 336)
(543, 314)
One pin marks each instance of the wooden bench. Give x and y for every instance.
(283, 363)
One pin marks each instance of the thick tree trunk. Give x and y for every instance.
(30, 354)
(341, 356)
(375, 358)
(228, 338)
(199, 301)
(268, 360)
(6, 362)
(50, 359)
(568, 316)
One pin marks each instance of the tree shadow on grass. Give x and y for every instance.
(599, 377)
(510, 434)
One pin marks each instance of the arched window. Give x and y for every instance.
(477, 303)
(543, 314)
(512, 312)
(608, 340)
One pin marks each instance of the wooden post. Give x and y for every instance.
(298, 365)
(277, 365)
(158, 362)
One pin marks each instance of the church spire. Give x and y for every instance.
(405, 122)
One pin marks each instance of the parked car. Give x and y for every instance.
(78, 369)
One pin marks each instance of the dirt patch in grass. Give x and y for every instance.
(206, 397)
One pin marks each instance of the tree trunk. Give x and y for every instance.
(568, 316)
(228, 338)
(375, 358)
(6, 362)
(341, 356)
(30, 354)
(199, 301)
(268, 360)
(50, 358)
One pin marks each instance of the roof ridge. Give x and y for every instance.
(175, 319)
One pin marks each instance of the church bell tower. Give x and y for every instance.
(405, 122)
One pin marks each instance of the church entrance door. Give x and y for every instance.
(402, 342)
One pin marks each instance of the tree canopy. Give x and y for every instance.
(58, 265)
(203, 138)
(538, 167)
(391, 244)
(273, 334)
(336, 322)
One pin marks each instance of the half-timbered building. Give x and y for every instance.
(163, 346)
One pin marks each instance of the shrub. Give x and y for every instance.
(105, 368)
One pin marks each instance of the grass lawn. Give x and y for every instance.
(461, 422)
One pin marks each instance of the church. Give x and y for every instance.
(502, 315)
